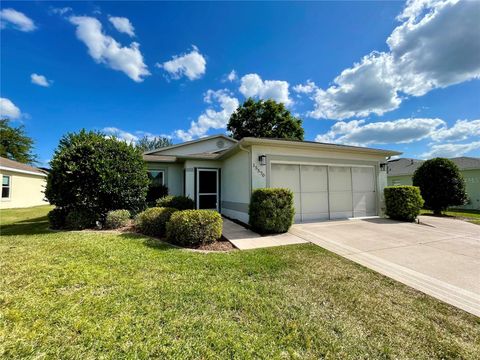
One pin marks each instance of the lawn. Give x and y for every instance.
(472, 216)
(87, 295)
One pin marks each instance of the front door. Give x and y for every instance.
(207, 189)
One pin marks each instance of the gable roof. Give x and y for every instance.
(190, 143)
(406, 166)
(15, 166)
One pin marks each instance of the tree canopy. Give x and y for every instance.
(264, 118)
(15, 144)
(151, 143)
(441, 184)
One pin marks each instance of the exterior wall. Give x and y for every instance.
(210, 145)
(25, 190)
(399, 180)
(261, 173)
(472, 186)
(173, 176)
(235, 186)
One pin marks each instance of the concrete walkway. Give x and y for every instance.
(440, 257)
(245, 239)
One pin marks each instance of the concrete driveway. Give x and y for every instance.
(439, 256)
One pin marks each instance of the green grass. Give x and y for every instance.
(84, 295)
(472, 216)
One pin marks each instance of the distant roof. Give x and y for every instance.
(406, 166)
(15, 166)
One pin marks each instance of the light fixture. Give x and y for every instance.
(262, 159)
(383, 166)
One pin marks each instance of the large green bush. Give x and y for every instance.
(177, 202)
(403, 202)
(194, 227)
(79, 219)
(117, 218)
(96, 174)
(441, 184)
(57, 218)
(153, 221)
(155, 192)
(271, 210)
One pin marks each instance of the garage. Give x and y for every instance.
(326, 192)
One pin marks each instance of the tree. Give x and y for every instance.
(264, 118)
(441, 184)
(152, 143)
(95, 174)
(15, 144)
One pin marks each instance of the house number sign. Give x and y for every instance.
(258, 170)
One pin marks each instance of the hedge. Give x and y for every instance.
(153, 220)
(271, 210)
(117, 218)
(79, 219)
(177, 202)
(57, 218)
(403, 202)
(194, 227)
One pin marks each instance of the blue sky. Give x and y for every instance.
(402, 76)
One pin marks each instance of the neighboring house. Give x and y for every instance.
(400, 172)
(329, 181)
(22, 185)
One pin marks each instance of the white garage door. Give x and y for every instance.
(322, 193)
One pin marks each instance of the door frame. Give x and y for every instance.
(197, 186)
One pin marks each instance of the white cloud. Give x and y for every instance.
(231, 76)
(17, 19)
(121, 134)
(252, 85)
(104, 49)
(60, 11)
(191, 65)
(450, 150)
(40, 80)
(307, 88)
(461, 130)
(211, 118)
(8, 109)
(435, 46)
(123, 25)
(357, 132)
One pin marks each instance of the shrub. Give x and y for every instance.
(271, 210)
(57, 218)
(117, 218)
(153, 220)
(92, 172)
(441, 184)
(403, 202)
(79, 219)
(177, 202)
(156, 192)
(194, 227)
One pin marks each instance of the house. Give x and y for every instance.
(22, 185)
(400, 172)
(329, 181)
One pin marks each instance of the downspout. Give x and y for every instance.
(249, 168)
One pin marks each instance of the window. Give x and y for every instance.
(157, 177)
(6, 187)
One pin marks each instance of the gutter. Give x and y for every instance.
(6, 168)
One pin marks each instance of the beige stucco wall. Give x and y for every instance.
(199, 147)
(25, 190)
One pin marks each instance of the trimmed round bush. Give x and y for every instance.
(93, 172)
(117, 218)
(194, 227)
(271, 210)
(57, 218)
(79, 219)
(177, 202)
(153, 221)
(441, 184)
(403, 202)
